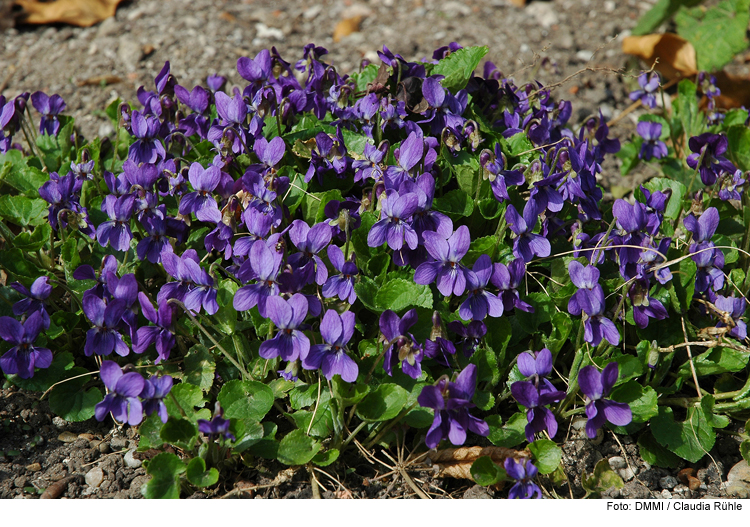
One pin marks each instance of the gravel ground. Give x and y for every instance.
(545, 41)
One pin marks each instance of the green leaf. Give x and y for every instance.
(690, 439)
(745, 450)
(26, 180)
(367, 291)
(18, 267)
(738, 138)
(485, 472)
(674, 205)
(187, 397)
(72, 403)
(179, 432)
(478, 247)
(458, 67)
(165, 470)
(253, 433)
(511, 434)
(659, 13)
(686, 108)
(715, 361)
(226, 317)
(23, 211)
(654, 453)
(149, 433)
(365, 77)
(200, 367)
(684, 287)
(490, 209)
(487, 368)
(245, 399)
(602, 479)
(322, 421)
(33, 241)
(467, 171)
(717, 34)
(297, 448)
(323, 459)
(628, 153)
(399, 294)
(383, 403)
(547, 455)
(455, 203)
(642, 401)
(562, 325)
(199, 476)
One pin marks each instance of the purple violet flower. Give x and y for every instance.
(310, 241)
(527, 244)
(393, 226)
(148, 147)
(596, 386)
(331, 357)
(122, 399)
(470, 334)
(116, 231)
(161, 334)
(652, 146)
(49, 107)
(649, 83)
(711, 147)
(104, 337)
(34, 301)
(451, 402)
(288, 315)
(263, 264)
(710, 261)
(735, 308)
(523, 472)
(480, 302)
(400, 345)
(508, 279)
(23, 357)
(589, 298)
(201, 202)
(341, 285)
(216, 428)
(155, 389)
(446, 268)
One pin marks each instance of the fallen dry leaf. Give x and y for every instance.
(735, 90)
(346, 27)
(687, 477)
(456, 462)
(518, 3)
(82, 13)
(676, 56)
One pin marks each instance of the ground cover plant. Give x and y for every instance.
(316, 265)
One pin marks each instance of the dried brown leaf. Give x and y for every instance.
(82, 13)
(456, 462)
(735, 90)
(347, 26)
(518, 3)
(676, 56)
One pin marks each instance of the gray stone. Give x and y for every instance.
(136, 484)
(118, 443)
(103, 447)
(584, 55)
(738, 480)
(666, 494)
(544, 13)
(130, 461)
(626, 474)
(668, 482)
(456, 8)
(59, 422)
(617, 462)
(94, 477)
(129, 52)
(477, 492)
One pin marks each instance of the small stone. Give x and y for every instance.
(87, 437)
(477, 492)
(20, 482)
(103, 447)
(626, 474)
(665, 494)
(668, 482)
(130, 461)
(67, 437)
(94, 477)
(34, 467)
(456, 8)
(584, 55)
(738, 480)
(129, 52)
(59, 422)
(118, 443)
(617, 462)
(263, 31)
(544, 13)
(609, 6)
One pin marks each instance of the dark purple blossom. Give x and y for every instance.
(652, 147)
(331, 357)
(527, 244)
(645, 306)
(116, 232)
(710, 261)
(122, 399)
(155, 389)
(400, 345)
(104, 337)
(734, 307)
(216, 428)
(161, 333)
(310, 241)
(34, 301)
(202, 293)
(341, 285)
(732, 186)
(393, 226)
(446, 267)
(589, 298)
(263, 265)
(451, 402)
(596, 386)
(649, 84)
(508, 279)
(148, 147)
(523, 472)
(713, 163)
(480, 302)
(23, 357)
(471, 334)
(201, 202)
(290, 343)
(49, 107)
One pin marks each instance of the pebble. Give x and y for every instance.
(94, 477)
(118, 443)
(67, 437)
(130, 461)
(103, 447)
(87, 437)
(544, 13)
(34, 467)
(617, 462)
(609, 6)
(129, 52)
(666, 494)
(584, 55)
(59, 422)
(738, 480)
(668, 482)
(626, 474)
(263, 31)
(477, 492)
(20, 482)
(456, 8)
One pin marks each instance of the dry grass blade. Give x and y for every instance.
(82, 13)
